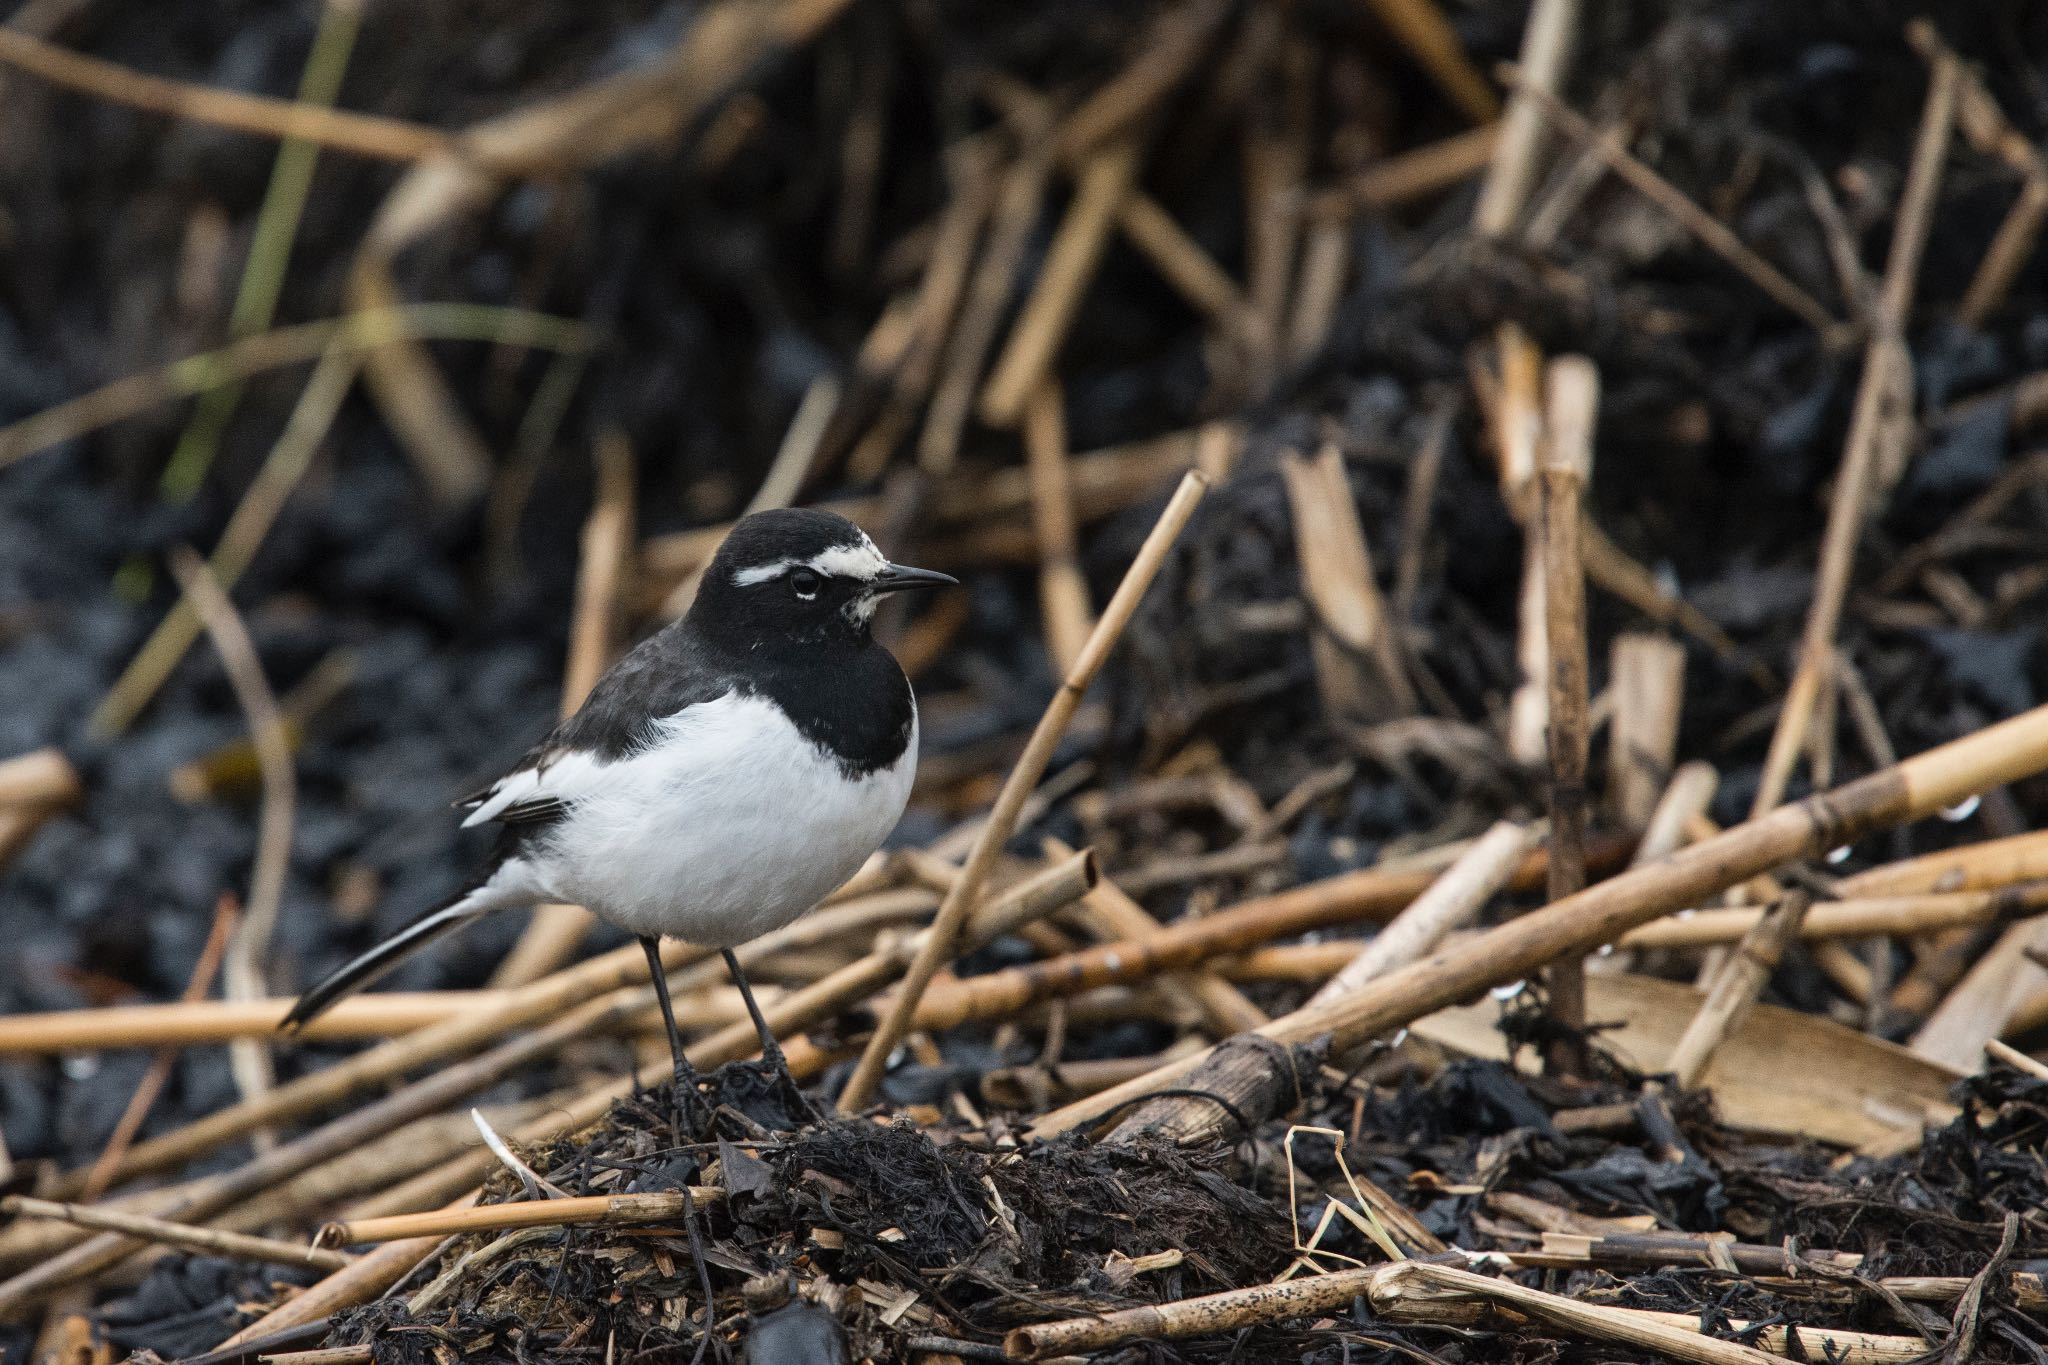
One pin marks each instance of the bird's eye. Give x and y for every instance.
(805, 583)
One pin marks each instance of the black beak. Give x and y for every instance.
(902, 578)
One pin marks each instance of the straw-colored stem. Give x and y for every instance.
(960, 901)
(538, 1213)
(236, 1246)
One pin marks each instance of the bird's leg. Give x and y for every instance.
(771, 1051)
(685, 1074)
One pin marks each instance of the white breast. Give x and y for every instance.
(729, 825)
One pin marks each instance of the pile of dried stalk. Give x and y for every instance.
(1294, 983)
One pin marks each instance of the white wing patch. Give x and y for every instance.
(563, 777)
(861, 562)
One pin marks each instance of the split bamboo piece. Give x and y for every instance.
(235, 1246)
(1546, 51)
(1880, 432)
(1452, 900)
(1646, 677)
(1062, 590)
(534, 1213)
(1357, 659)
(1571, 407)
(1736, 986)
(959, 902)
(1915, 788)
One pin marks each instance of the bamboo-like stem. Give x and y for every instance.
(536, 1213)
(1880, 426)
(215, 1193)
(1422, 28)
(1736, 987)
(242, 974)
(1115, 916)
(959, 902)
(1602, 913)
(1517, 423)
(236, 1246)
(1070, 265)
(370, 135)
(1357, 658)
(356, 333)
(1647, 676)
(1547, 43)
(44, 777)
(1571, 405)
(1410, 175)
(1062, 590)
(1883, 917)
(1452, 901)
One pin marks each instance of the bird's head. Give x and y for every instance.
(798, 576)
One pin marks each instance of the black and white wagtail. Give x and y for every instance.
(722, 778)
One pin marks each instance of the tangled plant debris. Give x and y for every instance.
(1279, 1032)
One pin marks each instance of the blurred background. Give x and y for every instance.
(457, 385)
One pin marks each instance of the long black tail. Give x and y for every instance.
(359, 972)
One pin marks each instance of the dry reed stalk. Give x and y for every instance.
(1710, 231)
(1736, 987)
(355, 332)
(1071, 261)
(1114, 916)
(188, 1022)
(1410, 175)
(1357, 659)
(1368, 894)
(370, 135)
(1104, 482)
(1547, 43)
(1915, 788)
(1442, 1295)
(2016, 1059)
(248, 952)
(1877, 917)
(43, 778)
(1646, 675)
(1571, 408)
(215, 1193)
(617, 975)
(1450, 902)
(1988, 129)
(1172, 45)
(1181, 261)
(959, 902)
(1062, 590)
(1420, 26)
(1973, 867)
(994, 278)
(1318, 287)
(235, 1246)
(1880, 432)
(233, 767)
(1517, 422)
(1685, 799)
(1028, 1089)
(536, 1213)
(1983, 1002)
(554, 932)
(101, 1173)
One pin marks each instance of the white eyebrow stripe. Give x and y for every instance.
(862, 561)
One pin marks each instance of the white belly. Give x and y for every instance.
(730, 825)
